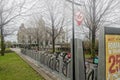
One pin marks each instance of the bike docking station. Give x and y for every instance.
(79, 68)
(109, 54)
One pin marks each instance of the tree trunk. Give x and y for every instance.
(53, 38)
(30, 42)
(93, 43)
(53, 44)
(2, 43)
(38, 44)
(93, 29)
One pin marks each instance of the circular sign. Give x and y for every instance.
(79, 18)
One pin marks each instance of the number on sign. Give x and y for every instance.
(115, 63)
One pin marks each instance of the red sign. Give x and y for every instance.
(79, 18)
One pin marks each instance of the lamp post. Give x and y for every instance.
(73, 43)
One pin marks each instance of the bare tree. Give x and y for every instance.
(37, 30)
(21, 35)
(9, 10)
(99, 13)
(56, 19)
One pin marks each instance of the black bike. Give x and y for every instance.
(65, 65)
(92, 75)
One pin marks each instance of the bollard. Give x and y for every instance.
(69, 70)
(46, 59)
(39, 57)
(54, 61)
(95, 72)
(60, 66)
(35, 55)
(31, 53)
(40, 54)
(47, 56)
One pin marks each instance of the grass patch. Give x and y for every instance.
(88, 56)
(12, 67)
(8, 50)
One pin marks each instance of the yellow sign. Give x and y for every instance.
(112, 57)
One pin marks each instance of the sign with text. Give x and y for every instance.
(112, 43)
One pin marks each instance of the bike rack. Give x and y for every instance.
(43, 59)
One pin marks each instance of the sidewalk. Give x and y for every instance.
(48, 75)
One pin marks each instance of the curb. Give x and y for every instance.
(39, 69)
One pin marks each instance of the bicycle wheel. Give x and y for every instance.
(64, 70)
(46, 62)
(50, 63)
(91, 75)
(42, 58)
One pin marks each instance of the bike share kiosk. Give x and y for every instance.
(109, 54)
(79, 61)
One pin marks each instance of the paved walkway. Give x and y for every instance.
(48, 75)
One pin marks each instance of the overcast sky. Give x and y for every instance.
(21, 19)
(38, 7)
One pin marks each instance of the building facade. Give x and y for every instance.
(39, 35)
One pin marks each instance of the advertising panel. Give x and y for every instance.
(112, 43)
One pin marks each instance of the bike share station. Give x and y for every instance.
(80, 71)
(109, 59)
(109, 54)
